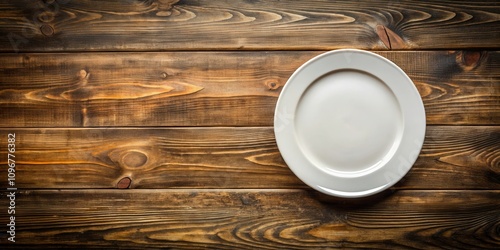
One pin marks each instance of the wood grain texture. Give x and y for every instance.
(132, 25)
(147, 124)
(216, 88)
(249, 219)
(453, 157)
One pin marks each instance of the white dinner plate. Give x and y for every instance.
(349, 123)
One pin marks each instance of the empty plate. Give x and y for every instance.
(349, 123)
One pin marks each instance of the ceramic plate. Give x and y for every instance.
(349, 123)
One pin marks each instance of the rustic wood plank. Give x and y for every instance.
(216, 88)
(453, 157)
(249, 219)
(131, 25)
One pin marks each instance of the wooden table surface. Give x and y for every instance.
(148, 124)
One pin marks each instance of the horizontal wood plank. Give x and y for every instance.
(249, 219)
(134, 25)
(453, 157)
(216, 88)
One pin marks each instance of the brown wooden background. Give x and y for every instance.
(149, 123)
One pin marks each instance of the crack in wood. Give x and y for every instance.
(390, 39)
(382, 34)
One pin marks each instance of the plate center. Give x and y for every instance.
(348, 122)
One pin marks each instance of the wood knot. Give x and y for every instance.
(82, 74)
(134, 159)
(167, 73)
(247, 200)
(124, 183)
(469, 60)
(46, 17)
(166, 4)
(272, 84)
(164, 7)
(47, 30)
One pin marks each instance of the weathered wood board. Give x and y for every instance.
(249, 219)
(453, 157)
(158, 25)
(216, 88)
